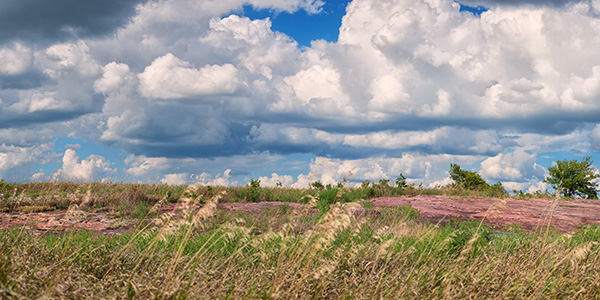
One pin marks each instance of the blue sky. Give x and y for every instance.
(304, 26)
(293, 91)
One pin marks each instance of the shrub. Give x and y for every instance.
(327, 197)
(4, 188)
(252, 192)
(467, 179)
(317, 185)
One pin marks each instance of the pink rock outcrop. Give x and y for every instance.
(529, 214)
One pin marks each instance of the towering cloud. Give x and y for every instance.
(95, 167)
(409, 86)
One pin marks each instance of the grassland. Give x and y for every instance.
(345, 249)
(127, 199)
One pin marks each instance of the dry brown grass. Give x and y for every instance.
(282, 254)
(286, 253)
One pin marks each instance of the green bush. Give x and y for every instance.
(4, 188)
(317, 185)
(252, 192)
(471, 181)
(467, 179)
(327, 197)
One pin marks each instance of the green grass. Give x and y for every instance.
(285, 253)
(329, 252)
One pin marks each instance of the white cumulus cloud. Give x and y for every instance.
(176, 179)
(15, 59)
(427, 169)
(69, 57)
(518, 165)
(114, 75)
(276, 180)
(16, 161)
(202, 179)
(170, 77)
(205, 179)
(93, 168)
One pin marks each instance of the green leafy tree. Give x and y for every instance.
(401, 181)
(467, 179)
(574, 178)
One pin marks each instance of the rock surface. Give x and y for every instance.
(62, 220)
(528, 214)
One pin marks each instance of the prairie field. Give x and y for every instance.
(337, 246)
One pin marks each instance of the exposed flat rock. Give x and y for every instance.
(529, 214)
(259, 206)
(58, 220)
(101, 222)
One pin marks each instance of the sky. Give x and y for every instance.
(218, 92)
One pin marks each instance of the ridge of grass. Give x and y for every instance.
(129, 199)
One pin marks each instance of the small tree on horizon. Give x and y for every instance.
(401, 182)
(467, 179)
(573, 178)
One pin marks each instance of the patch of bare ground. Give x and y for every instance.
(499, 213)
(528, 214)
(105, 223)
(63, 220)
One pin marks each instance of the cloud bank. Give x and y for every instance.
(409, 86)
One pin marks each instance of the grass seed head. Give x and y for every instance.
(464, 253)
(580, 253)
(383, 249)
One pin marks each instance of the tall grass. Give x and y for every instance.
(350, 252)
(125, 197)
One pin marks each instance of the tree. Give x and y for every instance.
(401, 181)
(573, 178)
(467, 179)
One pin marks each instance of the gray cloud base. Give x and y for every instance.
(58, 20)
